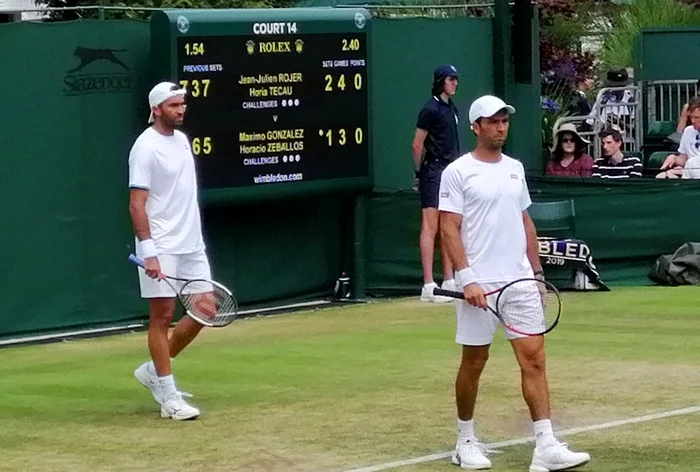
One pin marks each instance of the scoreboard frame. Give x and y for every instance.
(169, 27)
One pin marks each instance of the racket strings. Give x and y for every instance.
(529, 306)
(209, 302)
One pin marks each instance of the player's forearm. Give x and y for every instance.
(139, 221)
(533, 251)
(449, 233)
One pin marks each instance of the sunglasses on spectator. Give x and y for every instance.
(568, 140)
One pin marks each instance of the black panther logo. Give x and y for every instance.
(87, 56)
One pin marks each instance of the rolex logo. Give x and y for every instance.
(299, 45)
(250, 46)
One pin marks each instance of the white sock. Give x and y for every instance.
(151, 367)
(167, 385)
(543, 433)
(449, 282)
(465, 430)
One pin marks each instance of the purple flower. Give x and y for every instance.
(548, 104)
(565, 69)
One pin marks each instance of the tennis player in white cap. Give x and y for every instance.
(167, 225)
(491, 241)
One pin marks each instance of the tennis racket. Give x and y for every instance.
(205, 301)
(530, 307)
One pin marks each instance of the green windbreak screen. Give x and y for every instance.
(69, 122)
(71, 107)
(626, 224)
(405, 54)
(75, 100)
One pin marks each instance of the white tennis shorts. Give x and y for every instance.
(184, 266)
(476, 327)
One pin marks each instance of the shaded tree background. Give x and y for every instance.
(565, 24)
(135, 14)
(619, 42)
(563, 62)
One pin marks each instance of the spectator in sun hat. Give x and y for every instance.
(569, 158)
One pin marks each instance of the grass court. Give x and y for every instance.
(359, 385)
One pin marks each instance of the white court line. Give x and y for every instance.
(515, 442)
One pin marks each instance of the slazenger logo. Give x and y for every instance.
(86, 77)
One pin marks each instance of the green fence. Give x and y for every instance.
(659, 53)
(402, 79)
(76, 99)
(69, 116)
(627, 225)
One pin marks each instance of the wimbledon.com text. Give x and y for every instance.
(273, 178)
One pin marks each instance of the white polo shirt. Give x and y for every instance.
(491, 198)
(164, 165)
(690, 146)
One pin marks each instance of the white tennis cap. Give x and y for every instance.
(161, 93)
(486, 107)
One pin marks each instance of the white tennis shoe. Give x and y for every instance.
(557, 456)
(471, 456)
(176, 407)
(450, 285)
(150, 381)
(426, 294)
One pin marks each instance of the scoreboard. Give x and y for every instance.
(277, 100)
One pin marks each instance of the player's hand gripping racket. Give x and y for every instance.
(530, 307)
(205, 301)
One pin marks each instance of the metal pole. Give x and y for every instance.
(358, 254)
(501, 47)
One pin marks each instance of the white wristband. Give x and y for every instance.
(148, 248)
(464, 277)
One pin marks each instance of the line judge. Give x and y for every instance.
(435, 145)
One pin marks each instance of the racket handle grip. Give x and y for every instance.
(135, 260)
(448, 293)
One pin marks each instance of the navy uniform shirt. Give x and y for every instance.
(440, 120)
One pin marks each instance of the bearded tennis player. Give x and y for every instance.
(166, 219)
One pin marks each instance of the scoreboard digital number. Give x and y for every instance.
(277, 101)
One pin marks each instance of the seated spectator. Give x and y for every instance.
(686, 164)
(579, 105)
(614, 164)
(568, 158)
(684, 118)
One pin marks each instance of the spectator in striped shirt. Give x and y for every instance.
(615, 165)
